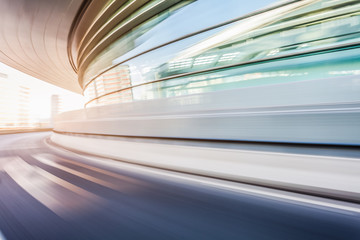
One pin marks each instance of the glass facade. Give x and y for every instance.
(298, 41)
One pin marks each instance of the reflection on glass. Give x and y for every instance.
(113, 80)
(276, 72)
(130, 40)
(286, 31)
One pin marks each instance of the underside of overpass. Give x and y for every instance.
(34, 39)
(55, 41)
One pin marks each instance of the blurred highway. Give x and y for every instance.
(49, 193)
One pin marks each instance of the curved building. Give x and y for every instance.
(284, 72)
(270, 71)
(161, 75)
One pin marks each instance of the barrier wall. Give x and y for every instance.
(335, 177)
(197, 134)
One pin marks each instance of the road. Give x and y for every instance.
(49, 193)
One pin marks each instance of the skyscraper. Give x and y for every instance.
(56, 107)
(14, 104)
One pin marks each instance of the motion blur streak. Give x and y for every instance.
(40, 184)
(2, 236)
(49, 193)
(76, 173)
(301, 199)
(242, 119)
(290, 170)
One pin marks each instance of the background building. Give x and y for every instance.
(14, 104)
(56, 107)
(26, 101)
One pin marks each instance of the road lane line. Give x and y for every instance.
(42, 186)
(2, 237)
(78, 190)
(48, 162)
(92, 168)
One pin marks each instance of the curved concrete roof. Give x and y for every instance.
(49, 40)
(34, 39)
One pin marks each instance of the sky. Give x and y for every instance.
(41, 92)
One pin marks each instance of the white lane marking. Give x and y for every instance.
(4, 161)
(2, 237)
(40, 184)
(95, 169)
(43, 159)
(19, 148)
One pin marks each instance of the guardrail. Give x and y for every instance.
(328, 176)
(24, 130)
(147, 133)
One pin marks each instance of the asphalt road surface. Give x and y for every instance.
(49, 193)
